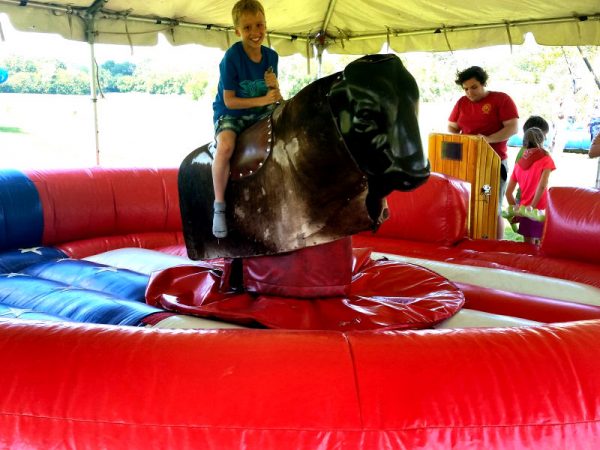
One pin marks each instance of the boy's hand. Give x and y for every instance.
(271, 79)
(273, 96)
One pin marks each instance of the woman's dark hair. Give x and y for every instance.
(472, 72)
(538, 122)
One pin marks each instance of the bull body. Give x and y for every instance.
(338, 148)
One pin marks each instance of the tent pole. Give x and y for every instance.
(94, 92)
(89, 19)
(320, 62)
(320, 44)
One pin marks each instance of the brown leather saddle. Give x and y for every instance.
(252, 148)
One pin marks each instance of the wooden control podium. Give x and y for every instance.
(471, 158)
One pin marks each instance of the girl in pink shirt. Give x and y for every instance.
(531, 173)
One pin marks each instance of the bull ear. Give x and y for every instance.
(340, 105)
(339, 96)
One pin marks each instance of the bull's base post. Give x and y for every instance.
(323, 270)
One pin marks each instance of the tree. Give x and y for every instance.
(118, 69)
(196, 85)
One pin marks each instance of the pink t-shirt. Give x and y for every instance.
(529, 179)
(485, 116)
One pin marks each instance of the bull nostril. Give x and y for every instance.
(417, 162)
(415, 165)
(419, 167)
(379, 141)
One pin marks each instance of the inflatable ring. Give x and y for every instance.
(3, 75)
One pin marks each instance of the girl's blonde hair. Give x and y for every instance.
(245, 6)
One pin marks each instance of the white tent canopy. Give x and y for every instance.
(341, 26)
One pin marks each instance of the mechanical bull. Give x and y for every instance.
(316, 170)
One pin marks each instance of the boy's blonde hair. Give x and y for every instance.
(245, 6)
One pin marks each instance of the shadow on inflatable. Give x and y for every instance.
(108, 332)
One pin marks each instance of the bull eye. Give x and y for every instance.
(366, 114)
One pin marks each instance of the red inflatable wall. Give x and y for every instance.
(82, 386)
(95, 210)
(571, 230)
(435, 212)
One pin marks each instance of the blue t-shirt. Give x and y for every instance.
(242, 75)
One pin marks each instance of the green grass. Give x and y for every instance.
(10, 129)
(510, 235)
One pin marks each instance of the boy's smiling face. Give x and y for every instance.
(252, 28)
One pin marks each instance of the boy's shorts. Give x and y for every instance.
(237, 124)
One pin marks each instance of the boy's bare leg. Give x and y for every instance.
(220, 175)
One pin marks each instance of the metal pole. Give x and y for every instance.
(89, 19)
(320, 62)
(94, 91)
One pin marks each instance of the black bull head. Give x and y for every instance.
(328, 158)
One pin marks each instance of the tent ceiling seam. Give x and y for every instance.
(328, 14)
(341, 36)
